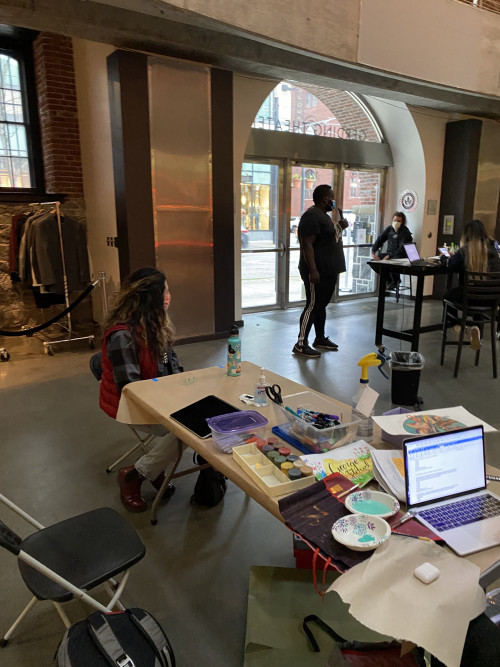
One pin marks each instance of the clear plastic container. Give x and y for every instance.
(318, 440)
(235, 428)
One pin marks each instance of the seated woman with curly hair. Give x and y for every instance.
(137, 345)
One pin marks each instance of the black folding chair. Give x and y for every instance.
(71, 557)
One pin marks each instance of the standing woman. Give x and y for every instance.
(396, 235)
(137, 345)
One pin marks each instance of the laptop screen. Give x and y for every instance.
(411, 252)
(444, 465)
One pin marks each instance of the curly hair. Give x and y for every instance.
(140, 305)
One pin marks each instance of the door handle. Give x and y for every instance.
(282, 249)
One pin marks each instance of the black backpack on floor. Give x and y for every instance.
(210, 486)
(130, 638)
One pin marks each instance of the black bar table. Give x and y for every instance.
(384, 267)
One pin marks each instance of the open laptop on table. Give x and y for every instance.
(414, 256)
(445, 479)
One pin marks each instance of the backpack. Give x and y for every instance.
(210, 486)
(132, 638)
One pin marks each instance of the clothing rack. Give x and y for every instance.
(47, 345)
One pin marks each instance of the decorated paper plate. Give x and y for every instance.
(361, 532)
(375, 503)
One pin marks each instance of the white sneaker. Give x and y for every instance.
(475, 339)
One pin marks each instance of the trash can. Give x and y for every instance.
(405, 376)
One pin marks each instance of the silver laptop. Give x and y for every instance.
(414, 256)
(445, 479)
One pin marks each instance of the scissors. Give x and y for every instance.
(274, 393)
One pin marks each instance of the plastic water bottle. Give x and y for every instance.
(259, 395)
(234, 352)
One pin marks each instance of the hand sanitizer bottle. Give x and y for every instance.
(260, 396)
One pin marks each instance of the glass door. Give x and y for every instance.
(303, 178)
(262, 244)
(361, 203)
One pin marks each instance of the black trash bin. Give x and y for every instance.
(405, 377)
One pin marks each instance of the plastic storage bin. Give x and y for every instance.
(405, 377)
(318, 440)
(235, 428)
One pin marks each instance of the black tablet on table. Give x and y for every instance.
(194, 416)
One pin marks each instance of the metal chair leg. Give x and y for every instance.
(443, 342)
(143, 444)
(493, 325)
(22, 615)
(62, 614)
(459, 348)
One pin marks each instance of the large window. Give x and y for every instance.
(314, 110)
(20, 155)
(14, 157)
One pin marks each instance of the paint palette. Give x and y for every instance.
(374, 503)
(361, 532)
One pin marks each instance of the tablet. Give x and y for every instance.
(194, 416)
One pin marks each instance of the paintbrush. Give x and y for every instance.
(403, 519)
(356, 486)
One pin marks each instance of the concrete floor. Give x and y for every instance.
(57, 443)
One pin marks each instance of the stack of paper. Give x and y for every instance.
(388, 469)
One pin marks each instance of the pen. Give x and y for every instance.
(493, 478)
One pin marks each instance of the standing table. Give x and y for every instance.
(386, 266)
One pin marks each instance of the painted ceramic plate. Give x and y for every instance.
(361, 532)
(374, 503)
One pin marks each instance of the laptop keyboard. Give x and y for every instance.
(462, 512)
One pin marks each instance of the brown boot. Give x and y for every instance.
(130, 481)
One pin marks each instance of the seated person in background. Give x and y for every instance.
(137, 345)
(396, 235)
(476, 253)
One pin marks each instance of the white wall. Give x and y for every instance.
(416, 138)
(248, 95)
(98, 182)
(443, 41)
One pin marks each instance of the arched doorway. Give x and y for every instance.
(304, 135)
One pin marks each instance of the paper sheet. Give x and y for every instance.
(388, 468)
(351, 460)
(385, 596)
(414, 423)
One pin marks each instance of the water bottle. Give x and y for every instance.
(234, 352)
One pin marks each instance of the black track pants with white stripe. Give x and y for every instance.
(318, 297)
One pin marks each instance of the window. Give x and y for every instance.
(20, 154)
(353, 188)
(14, 158)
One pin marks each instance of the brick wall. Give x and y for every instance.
(55, 83)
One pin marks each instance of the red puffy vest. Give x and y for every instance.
(109, 394)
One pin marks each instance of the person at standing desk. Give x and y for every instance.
(137, 345)
(396, 235)
(321, 261)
